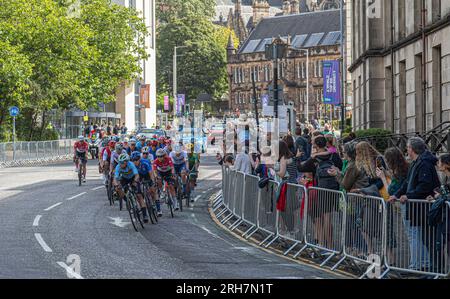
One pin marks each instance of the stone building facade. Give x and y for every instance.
(401, 64)
(305, 31)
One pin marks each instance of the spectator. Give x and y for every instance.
(116, 129)
(243, 162)
(287, 164)
(302, 144)
(368, 159)
(422, 180)
(290, 143)
(109, 129)
(352, 178)
(331, 141)
(228, 161)
(123, 129)
(263, 164)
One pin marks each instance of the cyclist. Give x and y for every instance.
(165, 171)
(161, 142)
(141, 143)
(146, 175)
(168, 148)
(153, 149)
(146, 155)
(80, 148)
(106, 158)
(119, 150)
(180, 163)
(126, 173)
(194, 164)
(132, 147)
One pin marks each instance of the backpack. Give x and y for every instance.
(323, 179)
(435, 212)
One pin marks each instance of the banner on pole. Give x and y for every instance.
(331, 82)
(180, 103)
(145, 95)
(265, 100)
(166, 103)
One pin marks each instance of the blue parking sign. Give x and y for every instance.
(14, 111)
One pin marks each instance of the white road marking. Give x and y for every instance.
(197, 198)
(42, 243)
(54, 206)
(70, 270)
(36, 220)
(97, 188)
(119, 222)
(78, 195)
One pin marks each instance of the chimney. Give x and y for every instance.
(286, 7)
(230, 48)
(295, 7)
(260, 10)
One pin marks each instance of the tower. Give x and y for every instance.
(230, 47)
(261, 10)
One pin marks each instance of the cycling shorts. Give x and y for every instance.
(124, 182)
(179, 168)
(167, 176)
(147, 180)
(81, 156)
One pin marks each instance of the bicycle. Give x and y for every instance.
(167, 197)
(133, 207)
(179, 191)
(80, 167)
(151, 206)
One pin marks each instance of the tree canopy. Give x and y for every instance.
(53, 59)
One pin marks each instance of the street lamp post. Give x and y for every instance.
(343, 79)
(175, 79)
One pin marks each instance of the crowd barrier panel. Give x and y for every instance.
(239, 201)
(291, 221)
(267, 211)
(250, 202)
(233, 189)
(365, 231)
(324, 222)
(413, 245)
(229, 191)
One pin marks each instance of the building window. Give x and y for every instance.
(320, 67)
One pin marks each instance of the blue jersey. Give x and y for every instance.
(153, 153)
(144, 168)
(126, 173)
(139, 146)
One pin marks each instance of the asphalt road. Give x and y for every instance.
(47, 222)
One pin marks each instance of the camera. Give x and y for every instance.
(444, 190)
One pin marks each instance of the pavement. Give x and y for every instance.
(51, 226)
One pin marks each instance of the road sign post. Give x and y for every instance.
(14, 111)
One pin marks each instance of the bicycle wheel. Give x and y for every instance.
(80, 175)
(170, 203)
(137, 210)
(148, 203)
(180, 196)
(131, 212)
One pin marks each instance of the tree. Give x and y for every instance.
(202, 68)
(169, 10)
(78, 60)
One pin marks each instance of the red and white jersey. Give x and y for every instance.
(81, 146)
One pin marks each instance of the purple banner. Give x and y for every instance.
(331, 82)
(166, 103)
(180, 103)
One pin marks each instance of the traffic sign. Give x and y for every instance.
(14, 111)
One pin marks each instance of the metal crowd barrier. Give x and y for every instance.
(363, 231)
(416, 246)
(34, 152)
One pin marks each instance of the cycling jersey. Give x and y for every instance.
(149, 158)
(167, 150)
(106, 154)
(193, 160)
(115, 156)
(139, 146)
(181, 159)
(153, 153)
(166, 165)
(81, 146)
(144, 168)
(130, 150)
(126, 173)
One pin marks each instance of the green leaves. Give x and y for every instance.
(202, 65)
(57, 55)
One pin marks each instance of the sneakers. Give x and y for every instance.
(146, 219)
(159, 214)
(84, 180)
(177, 208)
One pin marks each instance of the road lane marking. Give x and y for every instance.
(42, 243)
(97, 188)
(70, 270)
(197, 198)
(78, 195)
(54, 206)
(36, 220)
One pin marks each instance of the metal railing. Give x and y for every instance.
(375, 238)
(35, 152)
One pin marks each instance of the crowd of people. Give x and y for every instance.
(94, 131)
(316, 158)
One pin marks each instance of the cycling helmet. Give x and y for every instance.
(177, 149)
(161, 139)
(168, 141)
(135, 156)
(160, 153)
(189, 146)
(133, 141)
(155, 137)
(123, 158)
(142, 137)
(119, 147)
(154, 143)
(116, 138)
(112, 143)
(81, 138)
(145, 150)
